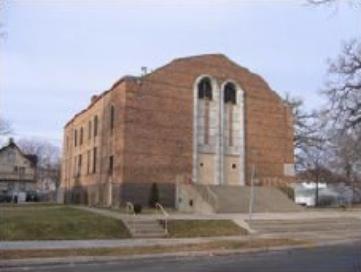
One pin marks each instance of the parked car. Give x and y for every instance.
(32, 196)
(5, 198)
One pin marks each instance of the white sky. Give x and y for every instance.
(58, 53)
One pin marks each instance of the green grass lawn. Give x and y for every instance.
(203, 228)
(127, 251)
(56, 223)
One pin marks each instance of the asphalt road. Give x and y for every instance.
(337, 258)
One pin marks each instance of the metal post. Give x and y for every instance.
(251, 199)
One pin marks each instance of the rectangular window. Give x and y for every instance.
(75, 137)
(112, 118)
(94, 160)
(79, 165)
(111, 162)
(88, 162)
(74, 165)
(89, 130)
(21, 171)
(95, 126)
(81, 136)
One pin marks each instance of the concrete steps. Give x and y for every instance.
(145, 228)
(235, 199)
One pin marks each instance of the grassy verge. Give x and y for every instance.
(203, 228)
(56, 223)
(200, 247)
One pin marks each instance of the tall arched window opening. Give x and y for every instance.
(230, 99)
(205, 97)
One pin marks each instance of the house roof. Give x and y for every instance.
(30, 157)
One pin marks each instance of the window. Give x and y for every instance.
(230, 93)
(234, 166)
(94, 160)
(111, 162)
(81, 136)
(205, 94)
(15, 169)
(11, 156)
(95, 126)
(112, 115)
(75, 166)
(88, 162)
(21, 171)
(89, 130)
(75, 137)
(79, 165)
(205, 89)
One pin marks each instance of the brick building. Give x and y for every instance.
(199, 120)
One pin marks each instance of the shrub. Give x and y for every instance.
(137, 208)
(289, 191)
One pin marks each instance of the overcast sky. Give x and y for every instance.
(58, 53)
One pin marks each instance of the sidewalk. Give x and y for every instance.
(68, 244)
(233, 216)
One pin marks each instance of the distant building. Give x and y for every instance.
(17, 170)
(201, 120)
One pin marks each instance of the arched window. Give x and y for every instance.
(112, 115)
(230, 93)
(205, 89)
(95, 125)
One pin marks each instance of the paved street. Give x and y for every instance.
(343, 258)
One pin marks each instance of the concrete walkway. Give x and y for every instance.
(68, 244)
(233, 216)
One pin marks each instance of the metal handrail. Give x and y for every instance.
(130, 208)
(165, 214)
(213, 195)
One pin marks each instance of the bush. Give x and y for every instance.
(326, 201)
(289, 191)
(137, 208)
(154, 195)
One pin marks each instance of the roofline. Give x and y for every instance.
(21, 152)
(116, 84)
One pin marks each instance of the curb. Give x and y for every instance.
(18, 263)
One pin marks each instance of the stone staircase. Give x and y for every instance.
(235, 199)
(145, 228)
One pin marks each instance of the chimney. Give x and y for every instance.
(144, 70)
(11, 140)
(93, 98)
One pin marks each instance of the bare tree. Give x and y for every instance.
(48, 157)
(47, 153)
(347, 157)
(316, 165)
(306, 130)
(5, 127)
(331, 2)
(344, 88)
